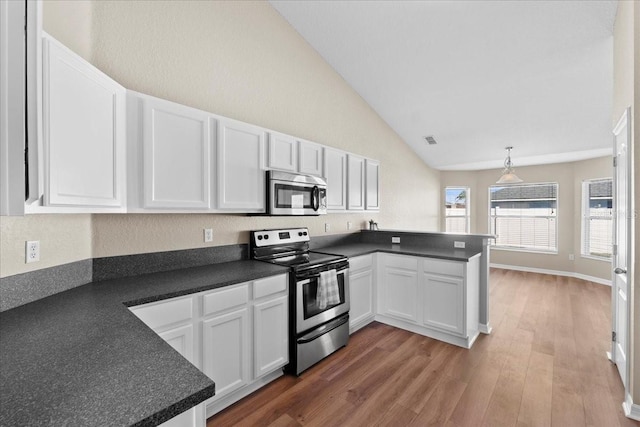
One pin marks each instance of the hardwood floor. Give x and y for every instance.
(543, 365)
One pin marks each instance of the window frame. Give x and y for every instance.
(494, 242)
(584, 225)
(467, 215)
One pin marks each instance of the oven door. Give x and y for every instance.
(308, 311)
(298, 196)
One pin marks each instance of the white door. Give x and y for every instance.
(335, 172)
(225, 357)
(622, 239)
(361, 296)
(240, 167)
(282, 152)
(309, 158)
(372, 185)
(271, 341)
(181, 339)
(177, 146)
(355, 182)
(443, 302)
(84, 131)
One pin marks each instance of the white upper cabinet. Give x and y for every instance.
(372, 185)
(241, 173)
(177, 145)
(282, 152)
(355, 180)
(309, 158)
(84, 113)
(335, 172)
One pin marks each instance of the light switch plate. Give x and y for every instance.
(459, 245)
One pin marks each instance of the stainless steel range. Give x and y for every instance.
(319, 294)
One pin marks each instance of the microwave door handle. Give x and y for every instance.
(315, 198)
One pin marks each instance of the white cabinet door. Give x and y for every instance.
(361, 296)
(443, 302)
(355, 180)
(372, 185)
(270, 328)
(241, 175)
(399, 287)
(181, 339)
(177, 149)
(84, 131)
(226, 357)
(282, 152)
(194, 417)
(310, 158)
(335, 172)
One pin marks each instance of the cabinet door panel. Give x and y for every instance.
(355, 181)
(372, 186)
(310, 158)
(282, 152)
(240, 167)
(270, 322)
(335, 172)
(361, 296)
(84, 131)
(226, 356)
(181, 339)
(443, 303)
(177, 147)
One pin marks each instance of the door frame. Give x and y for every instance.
(625, 121)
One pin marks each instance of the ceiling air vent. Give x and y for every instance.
(430, 140)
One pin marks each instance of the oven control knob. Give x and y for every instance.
(305, 233)
(266, 237)
(299, 233)
(259, 237)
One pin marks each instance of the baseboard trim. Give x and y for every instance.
(553, 272)
(485, 329)
(631, 410)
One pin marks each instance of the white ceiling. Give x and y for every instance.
(477, 75)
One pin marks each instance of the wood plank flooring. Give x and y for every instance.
(543, 365)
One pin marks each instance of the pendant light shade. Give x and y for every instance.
(508, 174)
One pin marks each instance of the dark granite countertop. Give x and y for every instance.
(356, 249)
(81, 358)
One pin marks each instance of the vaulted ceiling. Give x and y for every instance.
(476, 75)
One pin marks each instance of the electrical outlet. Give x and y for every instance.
(349, 225)
(459, 245)
(572, 257)
(208, 235)
(32, 251)
(327, 227)
(395, 240)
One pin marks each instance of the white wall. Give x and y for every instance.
(569, 177)
(237, 59)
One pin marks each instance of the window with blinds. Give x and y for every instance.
(524, 216)
(456, 208)
(597, 218)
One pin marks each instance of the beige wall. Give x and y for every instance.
(569, 177)
(626, 78)
(237, 59)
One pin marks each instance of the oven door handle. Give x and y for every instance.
(328, 327)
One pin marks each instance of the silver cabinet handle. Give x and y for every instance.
(619, 270)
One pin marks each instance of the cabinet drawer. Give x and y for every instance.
(398, 261)
(225, 298)
(269, 285)
(449, 268)
(163, 313)
(361, 262)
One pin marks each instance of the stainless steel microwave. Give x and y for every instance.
(294, 194)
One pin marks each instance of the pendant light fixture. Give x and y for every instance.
(508, 174)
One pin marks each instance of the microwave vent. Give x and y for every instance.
(430, 140)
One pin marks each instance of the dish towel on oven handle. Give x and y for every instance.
(328, 291)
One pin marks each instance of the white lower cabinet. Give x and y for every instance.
(399, 287)
(236, 335)
(362, 291)
(432, 297)
(225, 354)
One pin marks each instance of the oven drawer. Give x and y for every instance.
(269, 286)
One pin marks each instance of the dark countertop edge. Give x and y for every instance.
(370, 248)
(184, 292)
(440, 233)
(177, 408)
